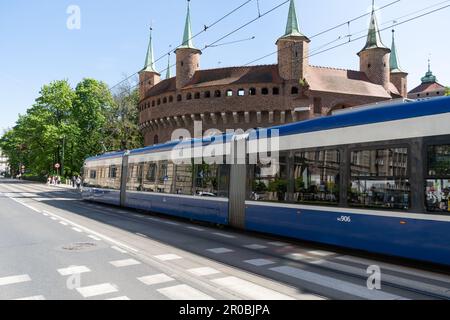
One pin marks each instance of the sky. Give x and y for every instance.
(40, 41)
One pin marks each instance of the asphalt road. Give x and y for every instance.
(55, 246)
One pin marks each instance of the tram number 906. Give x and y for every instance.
(345, 219)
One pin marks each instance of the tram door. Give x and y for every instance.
(238, 180)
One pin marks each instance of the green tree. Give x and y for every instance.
(447, 91)
(122, 131)
(92, 104)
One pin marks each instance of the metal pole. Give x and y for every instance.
(62, 160)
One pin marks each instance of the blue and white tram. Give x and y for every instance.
(374, 179)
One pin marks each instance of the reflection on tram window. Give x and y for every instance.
(96, 177)
(438, 183)
(135, 178)
(270, 181)
(438, 195)
(316, 177)
(379, 179)
(184, 179)
(208, 180)
(439, 161)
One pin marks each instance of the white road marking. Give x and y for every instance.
(168, 257)
(336, 284)
(118, 249)
(124, 263)
(300, 256)
(94, 238)
(97, 290)
(141, 235)
(255, 247)
(73, 270)
(170, 223)
(395, 268)
(196, 229)
(32, 298)
(277, 244)
(321, 253)
(14, 279)
(260, 262)
(184, 292)
(138, 216)
(45, 214)
(220, 250)
(155, 279)
(87, 230)
(77, 229)
(53, 218)
(120, 298)
(224, 235)
(64, 223)
(201, 272)
(418, 285)
(250, 290)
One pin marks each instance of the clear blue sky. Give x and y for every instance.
(37, 47)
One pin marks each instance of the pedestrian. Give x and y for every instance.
(74, 181)
(78, 182)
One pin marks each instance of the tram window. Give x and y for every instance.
(165, 177)
(93, 174)
(438, 179)
(211, 180)
(151, 172)
(184, 179)
(113, 172)
(379, 179)
(270, 181)
(316, 175)
(135, 177)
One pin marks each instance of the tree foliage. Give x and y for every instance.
(447, 91)
(67, 125)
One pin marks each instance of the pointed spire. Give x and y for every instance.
(292, 28)
(394, 64)
(429, 76)
(374, 36)
(150, 59)
(187, 36)
(168, 74)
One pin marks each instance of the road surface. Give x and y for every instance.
(55, 246)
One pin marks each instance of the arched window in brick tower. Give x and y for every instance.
(155, 139)
(252, 91)
(265, 91)
(170, 99)
(197, 95)
(189, 96)
(217, 94)
(276, 91)
(294, 90)
(207, 94)
(179, 97)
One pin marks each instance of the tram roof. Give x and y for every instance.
(356, 117)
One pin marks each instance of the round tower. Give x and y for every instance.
(374, 57)
(188, 57)
(293, 49)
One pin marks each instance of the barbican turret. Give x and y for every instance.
(188, 57)
(148, 77)
(398, 77)
(374, 57)
(293, 49)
